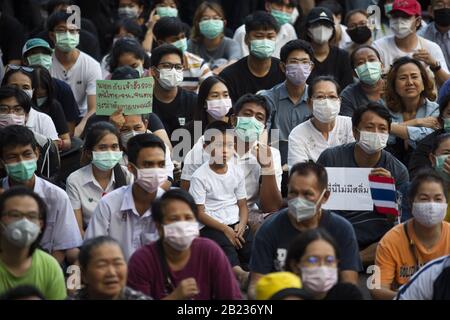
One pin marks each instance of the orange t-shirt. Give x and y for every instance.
(397, 262)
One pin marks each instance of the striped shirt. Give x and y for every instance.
(195, 71)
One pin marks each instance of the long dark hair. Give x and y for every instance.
(42, 79)
(124, 45)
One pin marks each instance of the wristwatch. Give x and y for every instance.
(436, 67)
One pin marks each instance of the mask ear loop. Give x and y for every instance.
(320, 198)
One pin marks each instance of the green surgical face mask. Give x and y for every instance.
(166, 12)
(262, 48)
(211, 29)
(440, 161)
(248, 129)
(369, 72)
(281, 17)
(41, 59)
(66, 42)
(447, 125)
(106, 160)
(21, 171)
(181, 44)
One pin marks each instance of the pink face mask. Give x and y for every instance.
(179, 235)
(151, 178)
(11, 119)
(218, 108)
(319, 279)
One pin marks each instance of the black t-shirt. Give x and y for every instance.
(240, 80)
(55, 111)
(154, 123)
(337, 64)
(177, 113)
(274, 236)
(12, 38)
(65, 97)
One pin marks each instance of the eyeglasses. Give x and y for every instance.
(303, 62)
(313, 261)
(17, 110)
(323, 97)
(17, 215)
(21, 68)
(170, 66)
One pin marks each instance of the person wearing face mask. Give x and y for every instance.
(23, 216)
(410, 245)
(171, 30)
(341, 38)
(259, 70)
(130, 9)
(127, 51)
(76, 68)
(359, 29)
(181, 265)
(100, 173)
(125, 213)
(319, 30)
(325, 129)
(420, 158)
(410, 99)
(109, 281)
(171, 103)
(19, 154)
(367, 67)
(208, 40)
(288, 100)
(307, 192)
(281, 11)
(371, 127)
(438, 31)
(405, 20)
(261, 163)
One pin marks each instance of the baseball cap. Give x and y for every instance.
(319, 14)
(410, 7)
(278, 285)
(36, 43)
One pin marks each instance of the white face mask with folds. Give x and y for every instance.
(372, 142)
(402, 27)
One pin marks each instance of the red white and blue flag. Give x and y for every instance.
(384, 195)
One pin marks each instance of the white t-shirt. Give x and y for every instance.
(389, 51)
(81, 77)
(345, 38)
(41, 123)
(286, 34)
(307, 143)
(219, 193)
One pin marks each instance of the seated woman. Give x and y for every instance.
(408, 246)
(23, 218)
(127, 52)
(104, 272)
(325, 129)
(367, 67)
(208, 40)
(181, 265)
(409, 97)
(101, 172)
(358, 28)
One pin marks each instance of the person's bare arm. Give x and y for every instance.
(71, 125)
(185, 184)
(254, 277)
(59, 255)
(91, 100)
(79, 217)
(148, 40)
(162, 134)
(65, 143)
(384, 293)
(368, 254)
(349, 276)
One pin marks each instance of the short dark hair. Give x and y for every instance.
(306, 168)
(364, 46)
(52, 4)
(168, 27)
(21, 292)
(56, 18)
(374, 107)
(173, 194)
(124, 45)
(214, 127)
(22, 98)
(16, 135)
(21, 191)
(251, 98)
(84, 256)
(426, 175)
(261, 20)
(145, 140)
(443, 103)
(130, 25)
(326, 78)
(159, 52)
(296, 45)
(438, 141)
(291, 3)
(352, 12)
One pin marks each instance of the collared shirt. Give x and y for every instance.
(85, 192)
(61, 231)
(352, 97)
(286, 115)
(442, 39)
(41, 123)
(116, 216)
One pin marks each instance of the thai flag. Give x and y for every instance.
(384, 195)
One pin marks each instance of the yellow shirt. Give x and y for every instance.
(396, 260)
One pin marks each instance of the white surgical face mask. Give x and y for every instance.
(170, 78)
(319, 279)
(29, 92)
(401, 27)
(372, 142)
(179, 235)
(218, 108)
(302, 209)
(21, 233)
(429, 214)
(150, 179)
(326, 110)
(321, 34)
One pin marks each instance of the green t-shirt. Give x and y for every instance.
(45, 274)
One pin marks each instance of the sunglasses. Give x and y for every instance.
(21, 68)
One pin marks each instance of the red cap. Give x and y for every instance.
(411, 7)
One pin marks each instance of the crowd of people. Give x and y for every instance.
(220, 193)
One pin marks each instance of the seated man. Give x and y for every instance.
(371, 126)
(307, 193)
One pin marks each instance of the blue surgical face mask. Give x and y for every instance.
(106, 160)
(369, 72)
(181, 44)
(248, 129)
(263, 48)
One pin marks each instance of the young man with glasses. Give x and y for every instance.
(73, 66)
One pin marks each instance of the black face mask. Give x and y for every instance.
(442, 17)
(360, 35)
